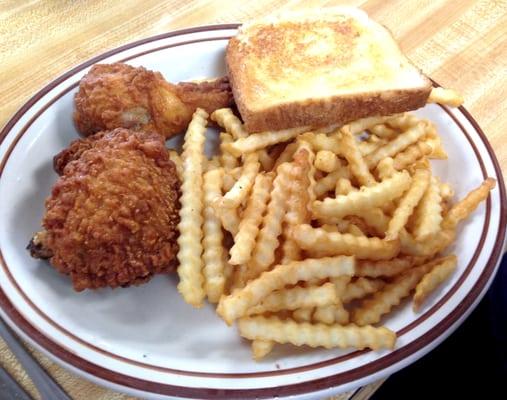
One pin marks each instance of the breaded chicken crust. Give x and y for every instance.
(111, 219)
(119, 95)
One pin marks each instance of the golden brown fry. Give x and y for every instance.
(236, 305)
(370, 197)
(343, 187)
(228, 216)
(335, 243)
(334, 313)
(433, 279)
(467, 206)
(257, 141)
(426, 248)
(400, 143)
(360, 288)
(214, 278)
(446, 235)
(428, 214)
(404, 121)
(234, 197)
(305, 156)
(318, 335)
(244, 240)
(264, 252)
(297, 207)
(190, 226)
(363, 124)
(387, 268)
(297, 297)
(447, 97)
(382, 302)
(408, 202)
(328, 183)
(321, 141)
(227, 160)
(357, 164)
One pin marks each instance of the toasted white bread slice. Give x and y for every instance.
(323, 67)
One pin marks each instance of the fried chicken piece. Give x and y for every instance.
(119, 95)
(111, 219)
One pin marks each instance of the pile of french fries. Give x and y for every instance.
(310, 237)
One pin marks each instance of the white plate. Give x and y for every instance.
(145, 340)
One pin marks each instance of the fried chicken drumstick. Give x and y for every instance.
(119, 95)
(111, 219)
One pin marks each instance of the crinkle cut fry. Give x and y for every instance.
(370, 197)
(411, 154)
(244, 241)
(408, 202)
(372, 310)
(191, 220)
(443, 238)
(428, 213)
(401, 142)
(234, 197)
(296, 297)
(357, 164)
(386, 268)
(334, 313)
(214, 278)
(305, 156)
(433, 279)
(328, 183)
(228, 216)
(446, 97)
(297, 206)
(315, 335)
(257, 141)
(336, 243)
(462, 209)
(234, 306)
(264, 252)
(227, 160)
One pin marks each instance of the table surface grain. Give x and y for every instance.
(462, 44)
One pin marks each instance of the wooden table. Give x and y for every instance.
(461, 44)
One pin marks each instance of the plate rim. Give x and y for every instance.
(310, 386)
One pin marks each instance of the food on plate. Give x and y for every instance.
(320, 68)
(119, 95)
(112, 215)
(368, 222)
(320, 213)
